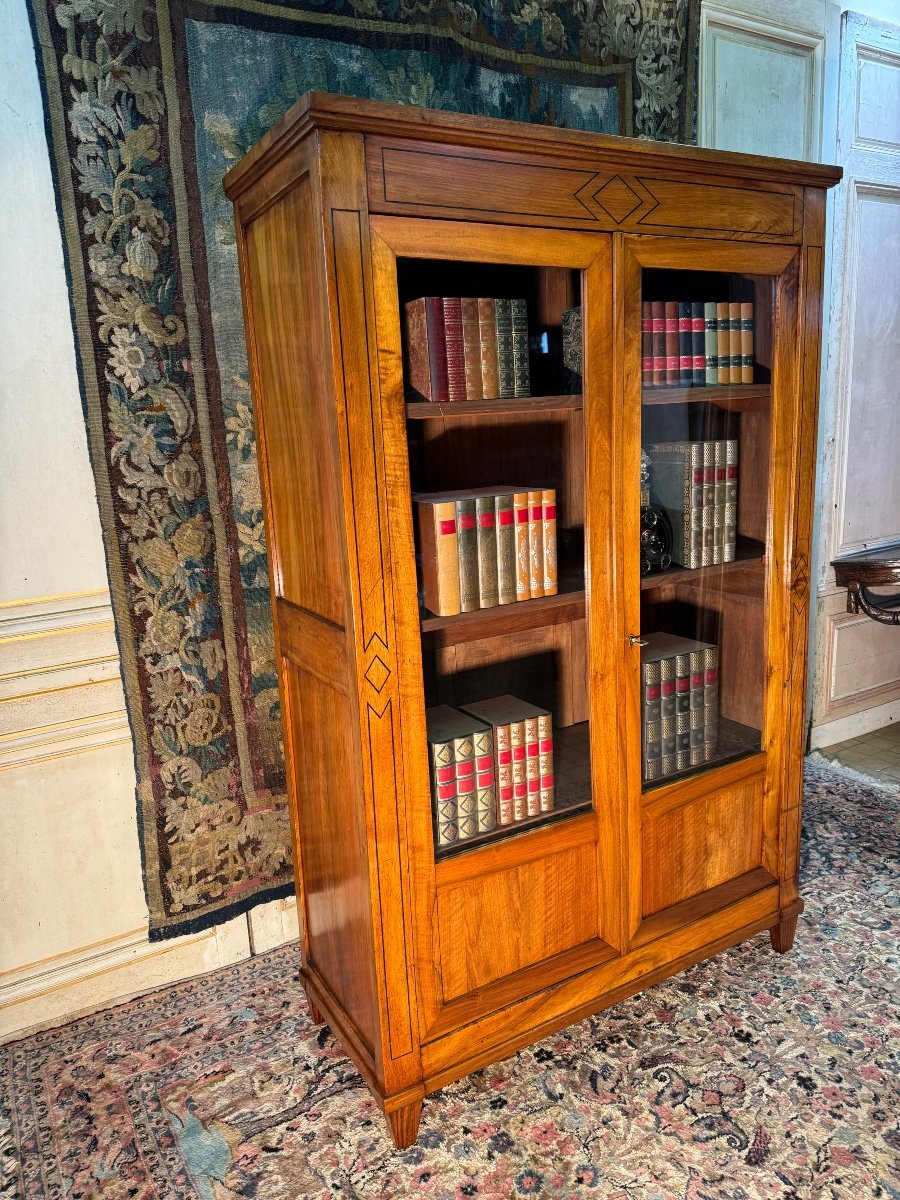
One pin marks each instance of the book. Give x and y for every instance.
(445, 726)
(708, 518)
(453, 340)
(438, 543)
(675, 740)
(486, 542)
(746, 322)
(658, 340)
(521, 369)
(535, 544)
(523, 546)
(698, 340)
(723, 324)
(547, 795)
(729, 511)
(672, 355)
(485, 778)
(646, 342)
(734, 325)
(517, 725)
(678, 482)
(504, 523)
(467, 555)
(719, 530)
(466, 788)
(505, 363)
(471, 338)
(712, 352)
(685, 344)
(426, 348)
(548, 517)
(572, 350)
(487, 338)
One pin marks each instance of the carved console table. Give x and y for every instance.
(872, 568)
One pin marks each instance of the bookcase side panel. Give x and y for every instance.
(281, 275)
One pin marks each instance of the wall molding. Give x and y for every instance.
(854, 725)
(721, 25)
(44, 614)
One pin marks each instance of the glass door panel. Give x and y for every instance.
(495, 437)
(706, 423)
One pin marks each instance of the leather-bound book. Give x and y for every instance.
(678, 666)
(426, 348)
(720, 489)
(485, 779)
(532, 767)
(548, 517)
(535, 544)
(646, 343)
(572, 351)
(443, 724)
(519, 769)
(698, 343)
(438, 542)
(746, 322)
(712, 344)
(708, 520)
(729, 515)
(503, 751)
(724, 342)
(658, 335)
(471, 335)
(486, 534)
(734, 323)
(523, 546)
(678, 487)
(547, 796)
(505, 361)
(466, 786)
(453, 339)
(487, 336)
(521, 368)
(508, 715)
(672, 348)
(685, 344)
(504, 523)
(467, 542)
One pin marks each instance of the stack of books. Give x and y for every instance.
(696, 343)
(461, 756)
(697, 484)
(467, 348)
(679, 704)
(523, 753)
(486, 546)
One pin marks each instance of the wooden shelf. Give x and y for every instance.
(567, 605)
(737, 397)
(425, 410)
(744, 575)
(572, 773)
(735, 741)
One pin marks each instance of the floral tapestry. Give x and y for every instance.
(147, 105)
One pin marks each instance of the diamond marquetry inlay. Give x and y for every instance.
(377, 674)
(618, 199)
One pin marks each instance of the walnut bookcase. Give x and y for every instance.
(428, 966)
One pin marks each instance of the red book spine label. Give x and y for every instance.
(447, 526)
(467, 520)
(486, 520)
(658, 340)
(503, 751)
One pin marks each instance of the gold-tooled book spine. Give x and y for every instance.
(466, 791)
(471, 337)
(504, 522)
(523, 546)
(532, 767)
(535, 544)
(443, 771)
(734, 321)
(708, 519)
(746, 343)
(548, 510)
(453, 337)
(485, 780)
(723, 323)
(719, 523)
(440, 557)
(505, 787)
(519, 770)
(545, 763)
(485, 522)
(487, 332)
(521, 370)
(467, 539)
(505, 365)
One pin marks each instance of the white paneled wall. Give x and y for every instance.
(73, 922)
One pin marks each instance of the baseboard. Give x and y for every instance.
(43, 995)
(854, 725)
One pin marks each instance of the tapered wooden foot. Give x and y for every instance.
(404, 1124)
(783, 935)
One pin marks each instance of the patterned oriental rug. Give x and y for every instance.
(750, 1077)
(148, 102)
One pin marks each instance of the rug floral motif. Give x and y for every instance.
(147, 103)
(752, 1076)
